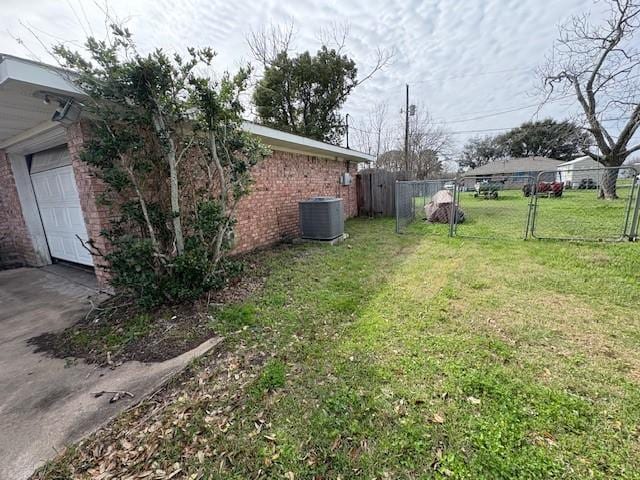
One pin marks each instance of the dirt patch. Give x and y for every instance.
(117, 330)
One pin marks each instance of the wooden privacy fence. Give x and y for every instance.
(377, 191)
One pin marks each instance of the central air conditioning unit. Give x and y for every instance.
(321, 218)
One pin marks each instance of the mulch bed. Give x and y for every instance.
(117, 330)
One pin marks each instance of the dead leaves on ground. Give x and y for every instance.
(179, 431)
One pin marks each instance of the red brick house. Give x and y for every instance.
(48, 195)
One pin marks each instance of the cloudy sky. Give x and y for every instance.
(463, 59)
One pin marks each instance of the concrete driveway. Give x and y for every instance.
(47, 403)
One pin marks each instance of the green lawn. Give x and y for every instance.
(578, 214)
(405, 357)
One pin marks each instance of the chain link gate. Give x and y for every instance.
(498, 208)
(593, 204)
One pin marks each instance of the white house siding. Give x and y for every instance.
(582, 168)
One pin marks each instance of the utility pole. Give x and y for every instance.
(347, 125)
(406, 132)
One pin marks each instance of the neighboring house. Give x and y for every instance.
(48, 195)
(514, 171)
(575, 171)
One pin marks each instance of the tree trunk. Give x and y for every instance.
(175, 202)
(609, 180)
(145, 213)
(170, 155)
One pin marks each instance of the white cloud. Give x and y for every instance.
(444, 48)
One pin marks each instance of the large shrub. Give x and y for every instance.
(168, 143)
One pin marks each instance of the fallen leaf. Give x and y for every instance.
(336, 444)
(126, 445)
(474, 400)
(437, 418)
(289, 476)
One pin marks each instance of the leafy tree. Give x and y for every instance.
(547, 138)
(303, 94)
(170, 148)
(479, 151)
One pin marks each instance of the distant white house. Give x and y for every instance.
(580, 169)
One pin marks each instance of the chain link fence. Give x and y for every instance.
(597, 204)
(412, 197)
(588, 204)
(494, 208)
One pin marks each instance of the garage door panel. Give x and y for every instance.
(52, 190)
(69, 248)
(76, 220)
(61, 214)
(51, 218)
(56, 246)
(47, 216)
(83, 255)
(67, 186)
(41, 185)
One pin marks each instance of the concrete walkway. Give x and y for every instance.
(47, 403)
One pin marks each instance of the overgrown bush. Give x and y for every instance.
(168, 143)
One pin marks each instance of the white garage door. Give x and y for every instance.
(59, 205)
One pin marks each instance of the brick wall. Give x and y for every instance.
(16, 247)
(269, 214)
(90, 188)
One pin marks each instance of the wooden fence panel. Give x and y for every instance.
(377, 192)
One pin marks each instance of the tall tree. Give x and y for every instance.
(428, 142)
(266, 43)
(479, 151)
(374, 134)
(600, 66)
(546, 138)
(304, 93)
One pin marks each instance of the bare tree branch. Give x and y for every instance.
(335, 36)
(266, 43)
(601, 65)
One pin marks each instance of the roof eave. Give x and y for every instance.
(45, 77)
(55, 80)
(277, 138)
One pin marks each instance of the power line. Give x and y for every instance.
(455, 132)
(502, 112)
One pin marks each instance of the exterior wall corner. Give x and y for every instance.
(90, 187)
(269, 214)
